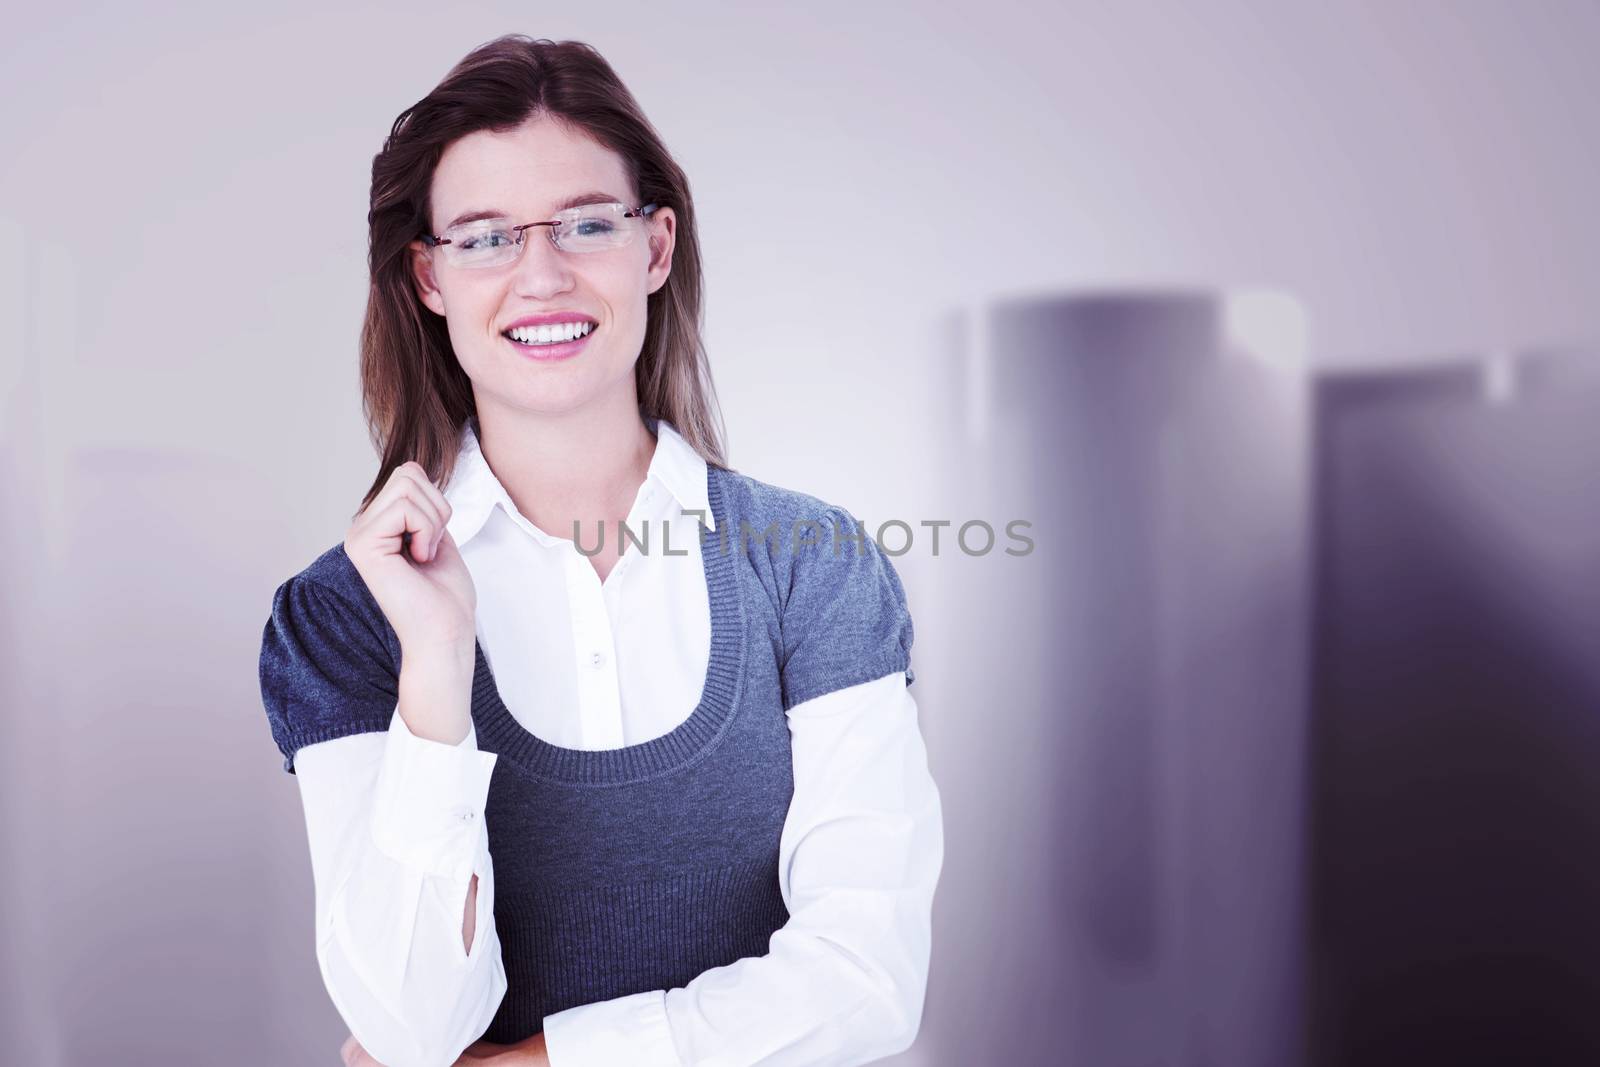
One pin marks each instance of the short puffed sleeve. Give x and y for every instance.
(845, 619)
(326, 669)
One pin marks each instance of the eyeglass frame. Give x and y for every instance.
(641, 212)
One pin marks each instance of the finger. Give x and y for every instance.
(417, 473)
(413, 481)
(409, 490)
(429, 492)
(409, 482)
(402, 516)
(353, 1055)
(407, 479)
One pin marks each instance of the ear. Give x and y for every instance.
(422, 274)
(663, 230)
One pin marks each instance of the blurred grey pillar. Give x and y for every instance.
(1456, 734)
(1124, 707)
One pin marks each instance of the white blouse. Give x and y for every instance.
(396, 829)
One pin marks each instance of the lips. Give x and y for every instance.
(551, 318)
(551, 351)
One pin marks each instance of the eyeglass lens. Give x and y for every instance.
(590, 228)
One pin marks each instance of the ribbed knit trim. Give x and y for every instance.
(499, 730)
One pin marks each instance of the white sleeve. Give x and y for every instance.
(844, 979)
(396, 828)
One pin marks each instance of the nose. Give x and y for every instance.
(542, 269)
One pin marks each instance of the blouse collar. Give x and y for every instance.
(474, 491)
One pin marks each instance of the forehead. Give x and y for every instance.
(527, 171)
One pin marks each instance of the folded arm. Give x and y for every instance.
(404, 890)
(844, 979)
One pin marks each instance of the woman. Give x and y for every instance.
(651, 793)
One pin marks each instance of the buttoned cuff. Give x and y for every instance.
(429, 800)
(632, 1030)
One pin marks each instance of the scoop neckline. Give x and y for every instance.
(672, 751)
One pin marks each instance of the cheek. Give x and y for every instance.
(470, 310)
(623, 278)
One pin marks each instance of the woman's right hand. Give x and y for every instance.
(421, 582)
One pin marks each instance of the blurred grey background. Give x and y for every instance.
(1277, 322)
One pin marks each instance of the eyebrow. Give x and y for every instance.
(580, 200)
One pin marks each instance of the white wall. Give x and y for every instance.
(180, 426)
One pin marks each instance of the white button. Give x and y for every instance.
(467, 816)
(598, 658)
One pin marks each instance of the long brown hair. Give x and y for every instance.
(414, 394)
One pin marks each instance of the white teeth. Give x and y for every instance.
(550, 335)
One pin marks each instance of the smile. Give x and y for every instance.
(558, 333)
(551, 342)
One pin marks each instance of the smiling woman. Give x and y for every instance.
(600, 254)
(513, 165)
(579, 807)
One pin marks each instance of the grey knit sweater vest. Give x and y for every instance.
(619, 871)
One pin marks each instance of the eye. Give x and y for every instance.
(487, 239)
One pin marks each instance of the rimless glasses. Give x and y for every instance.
(497, 241)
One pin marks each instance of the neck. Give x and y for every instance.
(584, 465)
